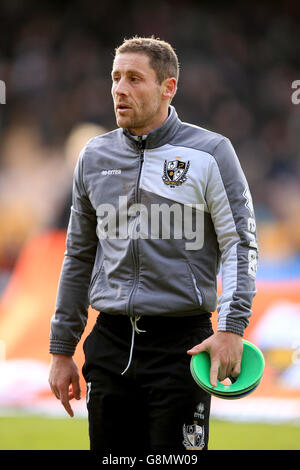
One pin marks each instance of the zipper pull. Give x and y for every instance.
(141, 146)
(141, 143)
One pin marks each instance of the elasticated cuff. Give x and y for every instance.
(62, 347)
(232, 326)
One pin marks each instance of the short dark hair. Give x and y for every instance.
(162, 57)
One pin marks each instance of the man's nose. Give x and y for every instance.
(121, 88)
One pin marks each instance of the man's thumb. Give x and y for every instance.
(197, 349)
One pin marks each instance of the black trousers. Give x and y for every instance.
(155, 406)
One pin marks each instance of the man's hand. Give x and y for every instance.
(225, 350)
(64, 380)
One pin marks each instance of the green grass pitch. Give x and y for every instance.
(41, 433)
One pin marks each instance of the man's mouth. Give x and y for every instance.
(123, 107)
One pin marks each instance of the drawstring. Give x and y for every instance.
(134, 324)
(137, 330)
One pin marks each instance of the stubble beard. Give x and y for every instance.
(137, 121)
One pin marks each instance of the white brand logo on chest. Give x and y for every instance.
(111, 172)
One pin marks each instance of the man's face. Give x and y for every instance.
(138, 97)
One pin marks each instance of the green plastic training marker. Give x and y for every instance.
(252, 368)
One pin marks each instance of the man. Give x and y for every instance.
(138, 194)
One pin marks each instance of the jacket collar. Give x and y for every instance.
(161, 135)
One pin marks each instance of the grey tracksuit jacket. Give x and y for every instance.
(137, 204)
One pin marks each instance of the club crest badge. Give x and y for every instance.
(193, 437)
(175, 172)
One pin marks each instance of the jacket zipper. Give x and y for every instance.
(134, 242)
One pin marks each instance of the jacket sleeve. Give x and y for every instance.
(71, 310)
(230, 204)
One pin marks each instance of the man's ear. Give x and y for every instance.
(169, 88)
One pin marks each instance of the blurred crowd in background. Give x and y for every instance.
(238, 63)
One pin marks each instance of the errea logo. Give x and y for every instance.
(111, 172)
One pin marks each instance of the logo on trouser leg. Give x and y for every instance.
(199, 412)
(193, 437)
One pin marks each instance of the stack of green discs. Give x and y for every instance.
(252, 368)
